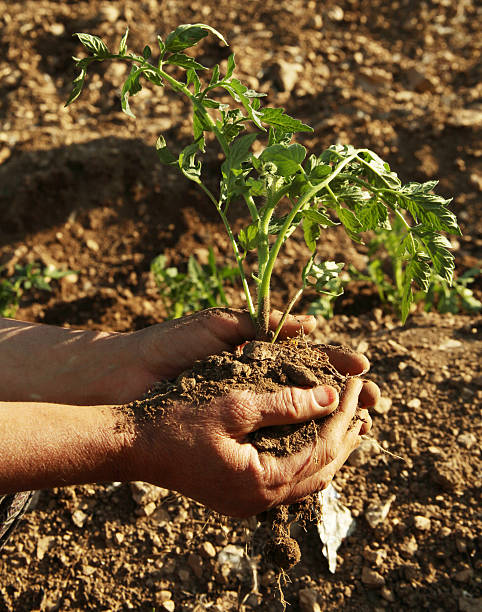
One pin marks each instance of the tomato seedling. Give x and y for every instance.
(342, 185)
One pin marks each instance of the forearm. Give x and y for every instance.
(47, 445)
(54, 364)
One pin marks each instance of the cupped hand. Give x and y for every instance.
(205, 452)
(163, 351)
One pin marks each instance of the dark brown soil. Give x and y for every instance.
(82, 188)
(261, 367)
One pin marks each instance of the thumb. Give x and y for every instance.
(294, 405)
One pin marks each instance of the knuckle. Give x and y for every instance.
(293, 400)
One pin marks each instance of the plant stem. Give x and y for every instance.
(264, 288)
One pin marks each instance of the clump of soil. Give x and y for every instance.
(261, 367)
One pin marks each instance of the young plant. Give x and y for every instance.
(25, 278)
(385, 271)
(343, 184)
(200, 286)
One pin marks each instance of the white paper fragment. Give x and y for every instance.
(336, 524)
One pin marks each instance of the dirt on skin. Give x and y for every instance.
(260, 367)
(82, 188)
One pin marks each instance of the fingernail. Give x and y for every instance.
(325, 395)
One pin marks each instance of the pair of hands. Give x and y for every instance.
(205, 453)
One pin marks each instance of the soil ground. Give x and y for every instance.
(82, 189)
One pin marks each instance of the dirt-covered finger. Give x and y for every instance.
(347, 361)
(369, 395)
(335, 428)
(287, 406)
(322, 477)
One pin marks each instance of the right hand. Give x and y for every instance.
(204, 452)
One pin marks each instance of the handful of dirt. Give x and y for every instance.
(260, 367)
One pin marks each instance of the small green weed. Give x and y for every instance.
(199, 287)
(24, 278)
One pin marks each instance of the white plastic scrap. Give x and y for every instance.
(336, 524)
(377, 513)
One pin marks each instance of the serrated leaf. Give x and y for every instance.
(192, 77)
(123, 43)
(130, 88)
(165, 156)
(311, 232)
(240, 149)
(317, 216)
(215, 75)
(249, 237)
(231, 66)
(153, 77)
(189, 165)
(185, 61)
(200, 123)
(94, 44)
(162, 46)
(428, 208)
(77, 87)
(277, 118)
(372, 215)
(287, 159)
(276, 223)
(322, 273)
(349, 220)
(437, 247)
(188, 35)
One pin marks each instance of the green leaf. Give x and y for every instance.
(240, 149)
(188, 35)
(77, 88)
(146, 52)
(185, 61)
(379, 172)
(311, 232)
(277, 118)
(162, 46)
(130, 88)
(94, 44)
(322, 273)
(248, 238)
(372, 215)
(317, 216)
(429, 208)
(437, 247)
(215, 76)
(351, 223)
(287, 159)
(123, 43)
(276, 223)
(201, 124)
(192, 77)
(165, 156)
(231, 66)
(189, 165)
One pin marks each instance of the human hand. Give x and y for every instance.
(163, 351)
(204, 452)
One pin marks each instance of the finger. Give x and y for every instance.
(284, 407)
(369, 395)
(335, 428)
(321, 478)
(367, 422)
(293, 324)
(345, 360)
